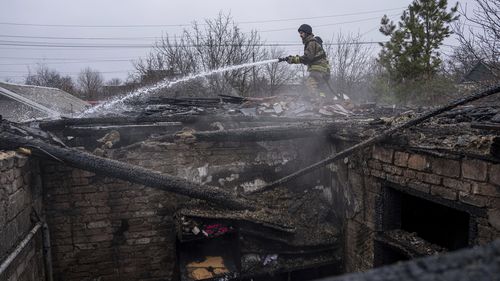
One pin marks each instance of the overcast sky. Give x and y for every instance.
(122, 23)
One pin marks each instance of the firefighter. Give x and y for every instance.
(315, 59)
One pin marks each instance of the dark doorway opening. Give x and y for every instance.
(436, 223)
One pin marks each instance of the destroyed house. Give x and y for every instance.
(200, 189)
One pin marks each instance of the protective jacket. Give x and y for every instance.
(314, 56)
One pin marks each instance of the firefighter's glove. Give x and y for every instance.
(293, 59)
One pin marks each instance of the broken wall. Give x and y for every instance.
(20, 208)
(467, 186)
(109, 229)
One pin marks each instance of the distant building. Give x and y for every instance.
(483, 73)
(24, 102)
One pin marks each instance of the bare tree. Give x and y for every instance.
(460, 62)
(114, 82)
(350, 64)
(46, 77)
(479, 33)
(90, 83)
(276, 75)
(217, 43)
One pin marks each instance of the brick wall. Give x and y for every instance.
(20, 196)
(470, 185)
(112, 230)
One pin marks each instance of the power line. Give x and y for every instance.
(57, 45)
(66, 59)
(68, 73)
(66, 45)
(82, 38)
(64, 62)
(323, 25)
(184, 25)
(14, 43)
(320, 17)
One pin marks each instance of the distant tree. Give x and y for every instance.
(90, 83)
(274, 76)
(413, 49)
(479, 33)
(114, 82)
(350, 65)
(46, 77)
(460, 62)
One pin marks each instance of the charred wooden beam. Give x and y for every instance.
(81, 131)
(253, 134)
(379, 137)
(186, 119)
(128, 172)
(486, 126)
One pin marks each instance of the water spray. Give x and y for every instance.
(165, 84)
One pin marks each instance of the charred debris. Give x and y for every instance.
(294, 225)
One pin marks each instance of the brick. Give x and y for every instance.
(101, 238)
(410, 174)
(16, 203)
(80, 181)
(96, 196)
(7, 160)
(392, 169)
(475, 170)
(374, 164)
(401, 159)
(486, 233)
(378, 174)
(474, 200)
(21, 160)
(494, 174)
(3, 211)
(396, 179)
(418, 162)
(457, 185)
(382, 154)
(417, 185)
(428, 178)
(485, 189)
(85, 189)
(444, 192)
(494, 218)
(446, 167)
(76, 173)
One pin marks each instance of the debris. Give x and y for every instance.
(488, 92)
(109, 139)
(268, 259)
(277, 108)
(209, 268)
(335, 109)
(186, 135)
(196, 230)
(496, 118)
(217, 125)
(249, 111)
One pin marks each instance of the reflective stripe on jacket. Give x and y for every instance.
(314, 56)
